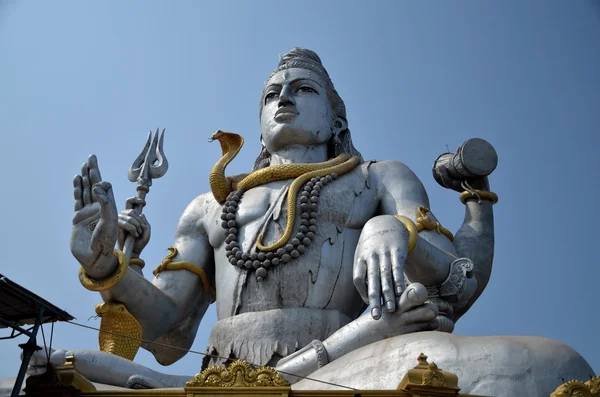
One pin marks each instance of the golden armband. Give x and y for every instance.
(108, 282)
(167, 264)
(479, 195)
(413, 232)
(424, 223)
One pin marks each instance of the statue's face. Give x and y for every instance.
(296, 110)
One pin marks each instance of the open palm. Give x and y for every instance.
(95, 227)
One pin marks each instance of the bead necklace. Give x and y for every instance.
(261, 261)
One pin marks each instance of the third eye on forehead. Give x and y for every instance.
(291, 76)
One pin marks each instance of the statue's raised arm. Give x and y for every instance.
(173, 302)
(407, 240)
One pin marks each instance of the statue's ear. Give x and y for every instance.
(340, 124)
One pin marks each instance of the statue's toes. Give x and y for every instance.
(421, 314)
(413, 296)
(142, 382)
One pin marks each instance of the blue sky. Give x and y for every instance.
(93, 77)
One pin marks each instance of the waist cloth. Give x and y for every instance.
(263, 338)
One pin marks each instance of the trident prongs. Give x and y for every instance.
(151, 163)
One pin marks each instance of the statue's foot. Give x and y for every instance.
(143, 382)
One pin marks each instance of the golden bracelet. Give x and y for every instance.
(167, 264)
(137, 261)
(413, 232)
(478, 194)
(108, 282)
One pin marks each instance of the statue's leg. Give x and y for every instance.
(109, 369)
(501, 366)
(448, 278)
(415, 315)
(429, 262)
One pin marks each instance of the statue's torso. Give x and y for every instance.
(321, 278)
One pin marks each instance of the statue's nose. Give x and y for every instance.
(286, 97)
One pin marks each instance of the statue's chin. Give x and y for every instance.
(287, 135)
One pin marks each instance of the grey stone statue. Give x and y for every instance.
(364, 237)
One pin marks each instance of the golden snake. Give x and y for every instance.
(120, 333)
(221, 186)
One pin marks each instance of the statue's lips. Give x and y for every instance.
(285, 114)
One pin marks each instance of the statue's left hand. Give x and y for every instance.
(379, 263)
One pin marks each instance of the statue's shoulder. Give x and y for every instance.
(392, 178)
(197, 212)
(392, 171)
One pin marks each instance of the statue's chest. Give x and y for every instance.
(346, 201)
(306, 280)
(251, 209)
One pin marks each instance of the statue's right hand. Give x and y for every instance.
(131, 222)
(95, 227)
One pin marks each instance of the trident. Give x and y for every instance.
(150, 164)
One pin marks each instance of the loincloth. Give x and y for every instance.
(263, 338)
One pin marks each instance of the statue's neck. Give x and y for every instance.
(300, 154)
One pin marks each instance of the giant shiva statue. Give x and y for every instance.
(295, 251)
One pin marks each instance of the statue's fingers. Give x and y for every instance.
(387, 286)
(359, 277)
(131, 220)
(374, 287)
(433, 324)
(145, 234)
(414, 295)
(421, 326)
(141, 219)
(77, 192)
(85, 182)
(421, 314)
(106, 232)
(128, 227)
(94, 170)
(398, 271)
(145, 223)
(103, 194)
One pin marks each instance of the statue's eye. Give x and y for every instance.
(306, 88)
(270, 96)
